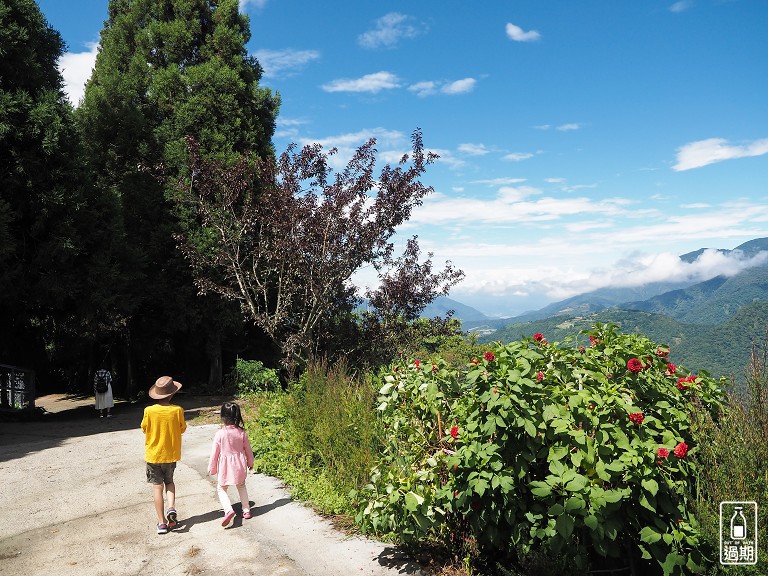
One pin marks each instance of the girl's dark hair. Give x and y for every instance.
(230, 414)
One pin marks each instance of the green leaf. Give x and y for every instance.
(613, 496)
(481, 485)
(601, 472)
(386, 388)
(557, 453)
(540, 489)
(591, 522)
(650, 485)
(649, 535)
(574, 504)
(672, 560)
(564, 525)
(530, 428)
(413, 501)
(648, 503)
(577, 484)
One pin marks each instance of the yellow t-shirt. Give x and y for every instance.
(163, 425)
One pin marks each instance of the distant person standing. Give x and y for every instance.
(102, 390)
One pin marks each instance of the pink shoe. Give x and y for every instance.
(246, 515)
(228, 518)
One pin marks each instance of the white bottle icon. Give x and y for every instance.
(738, 524)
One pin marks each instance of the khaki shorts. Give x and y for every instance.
(160, 473)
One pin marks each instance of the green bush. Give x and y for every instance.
(583, 449)
(251, 376)
(321, 437)
(334, 422)
(733, 459)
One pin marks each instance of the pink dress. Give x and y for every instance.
(231, 456)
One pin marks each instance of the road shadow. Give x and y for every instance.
(395, 559)
(186, 523)
(73, 416)
(261, 510)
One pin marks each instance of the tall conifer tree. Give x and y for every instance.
(45, 203)
(168, 69)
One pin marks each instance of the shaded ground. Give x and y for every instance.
(75, 502)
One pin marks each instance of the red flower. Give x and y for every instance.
(636, 418)
(662, 452)
(634, 365)
(539, 376)
(582, 349)
(495, 391)
(538, 337)
(475, 361)
(681, 382)
(454, 432)
(662, 353)
(417, 363)
(456, 494)
(489, 357)
(671, 369)
(681, 450)
(592, 340)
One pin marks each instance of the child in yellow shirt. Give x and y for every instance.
(163, 424)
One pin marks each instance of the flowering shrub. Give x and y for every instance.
(582, 449)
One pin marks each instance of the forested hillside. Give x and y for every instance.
(722, 349)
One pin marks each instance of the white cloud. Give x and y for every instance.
(518, 156)
(554, 180)
(429, 87)
(681, 6)
(530, 249)
(283, 121)
(384, 137)
(447, 158)
(459, 86)
(282, 62)
(569, 127)
(543, 127)
(388, 31)
(391, 144)
(369, 83)
(257, 3)
(519, 35)
(711, 150)
(473, 149)
(499, 181)
(512, 205)
(76, 68)
(512, 194)
(423, 88)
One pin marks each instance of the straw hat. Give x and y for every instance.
(164, 387)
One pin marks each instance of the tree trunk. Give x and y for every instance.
(213, 347)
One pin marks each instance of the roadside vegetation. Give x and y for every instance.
(531, 457)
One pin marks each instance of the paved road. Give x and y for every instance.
(74, 501)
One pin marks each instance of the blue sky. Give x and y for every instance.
(583, 144)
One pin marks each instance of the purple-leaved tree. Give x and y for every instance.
(285, 236)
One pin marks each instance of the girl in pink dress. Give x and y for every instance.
(231, 458)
